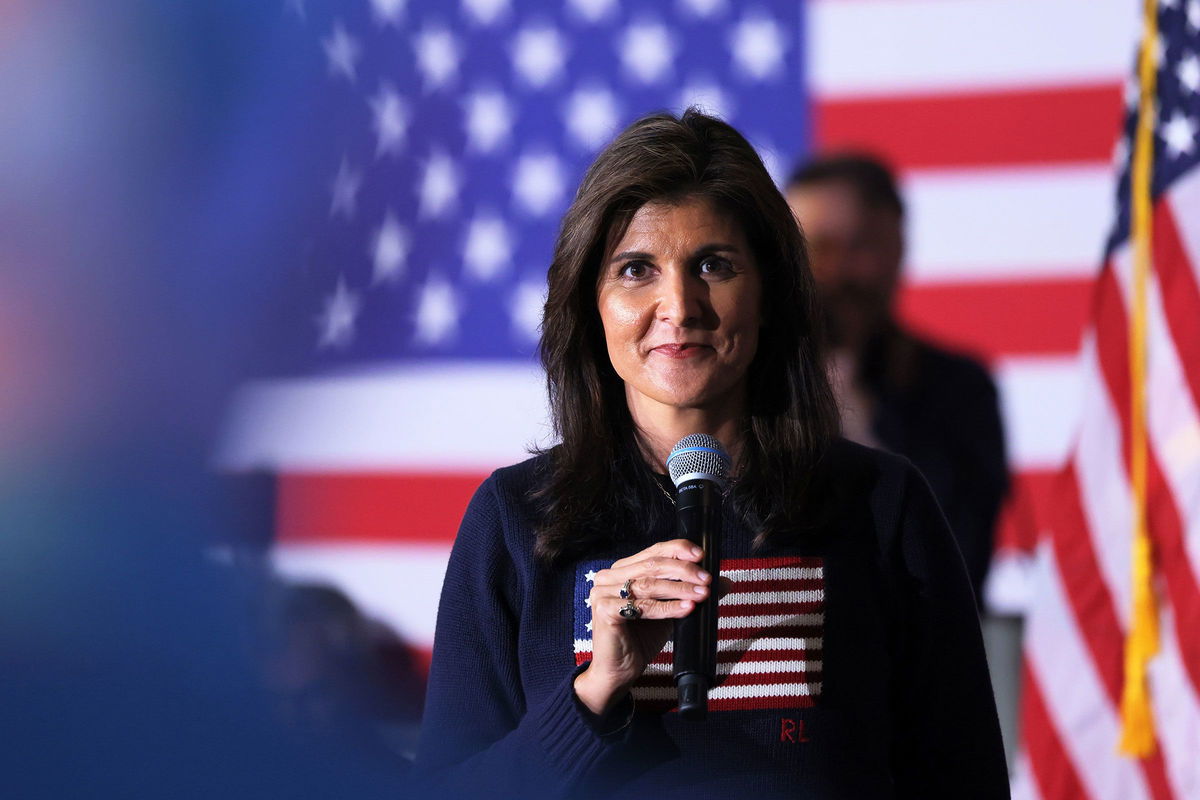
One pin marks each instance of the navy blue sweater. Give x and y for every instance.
(889, 695)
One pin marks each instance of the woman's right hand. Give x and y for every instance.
(666, 582)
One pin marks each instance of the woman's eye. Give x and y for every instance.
(634, 269)
(715, 265)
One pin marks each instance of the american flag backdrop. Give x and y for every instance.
(452, 137)
(458, 133)
(770, 636)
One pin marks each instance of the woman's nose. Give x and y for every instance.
(681, 302)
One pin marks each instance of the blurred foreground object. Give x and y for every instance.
(336, 673)
(123, 322)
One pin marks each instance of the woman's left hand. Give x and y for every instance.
(665, 582)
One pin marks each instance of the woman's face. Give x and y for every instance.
(680, 299)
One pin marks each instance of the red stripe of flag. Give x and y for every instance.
(1091, 603)
(786, 585)
(757, 703)
(1052, 766)
(1094, 609)
(799, 654)
(770, 632)
(766, 679)
(372, 506)
(1180, 295)
(1166, 530)
(737, 656)
(1059, 125)
(1000, 317)
(781, 610)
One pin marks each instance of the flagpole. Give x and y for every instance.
(1141, 643)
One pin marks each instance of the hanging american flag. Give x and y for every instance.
(770, 636)
(1086, 585)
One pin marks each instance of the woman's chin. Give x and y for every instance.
(687, 396)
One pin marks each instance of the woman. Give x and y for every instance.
(680, 301)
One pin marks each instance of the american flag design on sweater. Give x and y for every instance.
(770, 636)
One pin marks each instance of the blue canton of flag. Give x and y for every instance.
(457, 133)
(585, 574)
(1177, 117)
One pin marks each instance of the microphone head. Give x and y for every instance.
(698, 456)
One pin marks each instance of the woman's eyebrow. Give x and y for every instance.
(713, 247)
(630, 255)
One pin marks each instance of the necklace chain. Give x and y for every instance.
(664, 491)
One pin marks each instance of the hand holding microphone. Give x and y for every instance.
(633, 600)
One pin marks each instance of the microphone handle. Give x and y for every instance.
(698, 504)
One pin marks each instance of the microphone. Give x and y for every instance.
(698, 465)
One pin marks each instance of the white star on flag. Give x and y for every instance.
(702, 9)
(593, 10)
(590, 575)
(342, 52)
(437, 57)
(1179, 134)
(589, 625)
(538, 55)
(1193, 14)
(389, 250)
(538, 183)
(647, 52)
(439, 186)
(528, 301)
(346, 184)
(1189, 73)
(389, 119)
(488, 248)
(437, 313)
(489, 119)
(591, 116)
(336, 321)
(485, 12)
(758, 47)
(708, 98)
(388, 12)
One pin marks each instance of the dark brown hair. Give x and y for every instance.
(597, 485)
(869, 177)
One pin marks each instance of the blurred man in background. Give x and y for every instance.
(896, 391)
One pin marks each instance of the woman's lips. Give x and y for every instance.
(681, 350)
